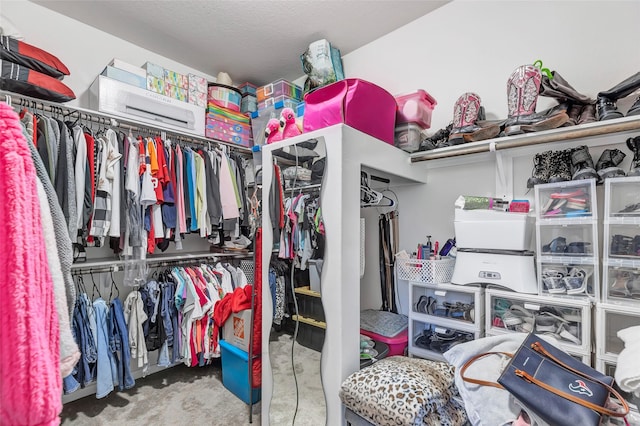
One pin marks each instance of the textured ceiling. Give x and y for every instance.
(257, 41)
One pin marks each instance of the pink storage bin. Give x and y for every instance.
(354, 102)
(416, 108)
(397, 344)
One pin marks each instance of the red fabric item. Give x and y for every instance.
(32, 57)
(237, 301)
(20, 79)
(163, 169)
(151, 240)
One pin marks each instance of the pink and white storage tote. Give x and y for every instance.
(354, 102)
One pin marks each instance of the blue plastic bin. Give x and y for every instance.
(235, 372)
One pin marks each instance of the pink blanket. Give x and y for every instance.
(30, 382)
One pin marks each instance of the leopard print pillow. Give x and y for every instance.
(400, 391)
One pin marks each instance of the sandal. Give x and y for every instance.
(518, 316)
(620, 287)
(576, 281)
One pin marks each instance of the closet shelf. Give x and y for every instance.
(306, 290)
(599, 128)
(319, 324)
(106, 265)
(16, 99)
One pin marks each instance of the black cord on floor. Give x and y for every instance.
(293, 343)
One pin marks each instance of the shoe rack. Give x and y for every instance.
(442, 314)
(611, 318)
(621, 244)
(567, 239)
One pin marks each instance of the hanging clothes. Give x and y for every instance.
(23, 261)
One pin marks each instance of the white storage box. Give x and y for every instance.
(494, 230)
(315, 272)
(237, 329)
(119, 63)
(133, 103)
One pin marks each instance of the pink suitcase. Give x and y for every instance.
(354, 102)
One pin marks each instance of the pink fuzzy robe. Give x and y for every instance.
(30, 382)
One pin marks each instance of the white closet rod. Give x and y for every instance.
(116, 265)
(13, 99)
(598, 128)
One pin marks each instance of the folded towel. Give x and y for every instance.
(502, 408)
(627, 373)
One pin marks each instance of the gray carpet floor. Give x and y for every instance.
(196, 396)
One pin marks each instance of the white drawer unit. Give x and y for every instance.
(621, 244)
(610, 319)
(430, 341)
(583, 357)
(448, 304)
(569, 321)
(567, 239)
(607, 365)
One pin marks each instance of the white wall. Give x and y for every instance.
(83, 49)
(474, 46)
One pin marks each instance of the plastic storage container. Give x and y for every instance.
(566, 200)
(315, 272)
(568, 320)
(491, 229)
(397, 344)
(611, 319)
(408, 137)
(248, 89)
(224, 96)
(415, 108)
(235, 373)
(286, 102)
(430, 341)
(279, 88)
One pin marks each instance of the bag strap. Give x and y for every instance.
(602, 410)
(478, 381)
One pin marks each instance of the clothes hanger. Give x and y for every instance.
(113, 286)
(95, 287)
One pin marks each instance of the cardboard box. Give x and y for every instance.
(237, 329)
(197, 98)
(154, 70)
(176, 79)
(155, 84)
(118, 63)
(125, 76)
(197, 83)
(175, 92)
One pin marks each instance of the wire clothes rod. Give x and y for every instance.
(114, 265)
(14, 99)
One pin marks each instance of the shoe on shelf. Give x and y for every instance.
(465, 128)
(576, 281)
(607, 165)
(634, 145)
(588, 114)
(635, 108)
(606, 102)
(436, 140)
(557, 245)
(541, 169)
(582, 163)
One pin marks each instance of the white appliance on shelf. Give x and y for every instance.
(514, 270)
(493, 248)
(131, 102)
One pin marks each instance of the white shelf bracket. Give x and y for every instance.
(504, 173)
